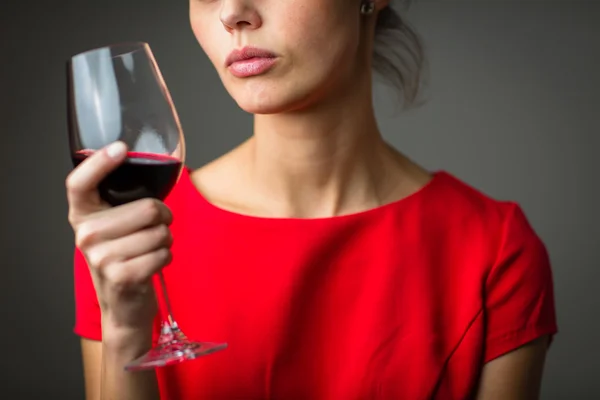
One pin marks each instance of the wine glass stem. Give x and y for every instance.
(163, 286)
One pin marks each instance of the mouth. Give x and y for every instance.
(250, 61)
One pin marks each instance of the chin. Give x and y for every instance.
(262, 106)
(260, 95)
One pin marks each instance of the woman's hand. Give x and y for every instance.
(124, 245)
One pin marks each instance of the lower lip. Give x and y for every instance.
(251, 67)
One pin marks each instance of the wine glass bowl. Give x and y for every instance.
(117, 93)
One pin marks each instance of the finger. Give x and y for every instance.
(131, 246)
(83, 181)
(124, 220)
(136, 271)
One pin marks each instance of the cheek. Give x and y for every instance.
(209, 34)
(321, 40)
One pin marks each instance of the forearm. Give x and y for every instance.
(118, 384)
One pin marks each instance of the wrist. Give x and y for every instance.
(126, 341)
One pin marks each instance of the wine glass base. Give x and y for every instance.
(173, 348)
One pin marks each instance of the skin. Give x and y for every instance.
(316, 152)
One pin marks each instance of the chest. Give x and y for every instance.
(340, 317)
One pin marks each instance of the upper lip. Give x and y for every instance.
(247, 53)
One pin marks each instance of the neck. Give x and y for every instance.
(325, 161)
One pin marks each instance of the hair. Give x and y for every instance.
(399, 55)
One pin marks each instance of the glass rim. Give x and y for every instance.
(121, 47)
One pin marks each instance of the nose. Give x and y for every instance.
(239, 15)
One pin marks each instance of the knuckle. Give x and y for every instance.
(119, 279)
(85, 235)
(164, 233)
(73, 185)
(151, 209)
(163, 256)
(168, 215)
(70, 183)
(73, 218)
(97, 259)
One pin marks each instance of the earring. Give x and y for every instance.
(367, 7)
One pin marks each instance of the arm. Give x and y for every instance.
(91, 351)
(114, 296)
(516, 375)
(520, 314)
(103, 358)
(104, 351)
(104, 376)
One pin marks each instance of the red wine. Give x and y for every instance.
(140, 176)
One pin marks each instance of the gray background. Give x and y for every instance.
(513, 109)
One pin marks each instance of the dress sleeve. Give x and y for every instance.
(519, 298)
(87, 309)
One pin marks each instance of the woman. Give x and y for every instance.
(334, 266)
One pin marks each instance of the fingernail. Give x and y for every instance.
(116, 149)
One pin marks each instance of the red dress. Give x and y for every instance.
(405, 301)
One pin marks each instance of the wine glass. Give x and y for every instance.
(115, 93)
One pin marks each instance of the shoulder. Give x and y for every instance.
(500, 229)
(459, 207)
(468, 202)
(497, 259)
(471, 225)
